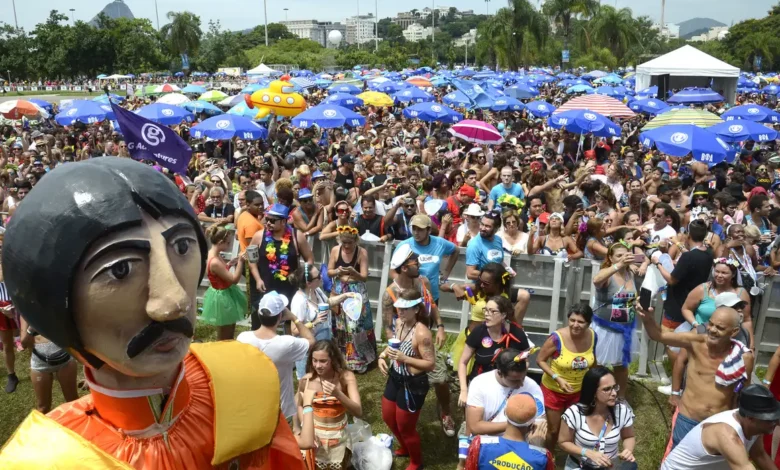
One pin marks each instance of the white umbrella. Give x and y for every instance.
(116, 76)
(174, 98)
(231, 101)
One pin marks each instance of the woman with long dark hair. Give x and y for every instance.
(592, 429)
(336, 396)
(412, 357)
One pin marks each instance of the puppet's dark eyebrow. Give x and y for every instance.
(140, 245)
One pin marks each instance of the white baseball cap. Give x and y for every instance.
(402, 254)
(728, 299)
(272, 304)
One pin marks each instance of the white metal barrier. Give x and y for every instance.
(555, 284)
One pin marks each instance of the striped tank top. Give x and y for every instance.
(408, 350)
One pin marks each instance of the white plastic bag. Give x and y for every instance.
(358, 431)
(371, 456)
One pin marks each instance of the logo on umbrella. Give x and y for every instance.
(651, 104)
(590, 116)
(72, 111)
(541, 107)
(501, 102)
(152, 134)
(167, 112)
(679, 138)
(223, 124)
(330, 113)
(407, 93)
(753, 111)
(436, 109)
(736, 128)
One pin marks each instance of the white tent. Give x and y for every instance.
(116, 76)
(688, 66)
(262, 69)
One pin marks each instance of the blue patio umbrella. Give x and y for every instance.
(746, 82)
(345, 88)
(564, 75)
(611, 79)
(43, 104)
(458, 99)
(251, 88)
(580, 89)
(166, 114)
(393, 75)
(328, 116)
(412, 95)
(344, 100)
(648, 106)
(741, 89)
(583, 121)
(386, 86)
(742, 130)
(607, 91)
(672, 108)
(429, 111)
(482, 75)
(521, 91)
(105, 98)
(467, 73)
(648, 92)
(750, 112)
(770, 90)
(85, 111)
(201, 107)
(540, 109)
(695, 96)
(178, 74)
(323, 82)
(241, 109)
(303, 82)
(194, 90)
(102, 76)
(494, 93)
(228, 126)
(507, 103)
(680, 140)
(130, 75)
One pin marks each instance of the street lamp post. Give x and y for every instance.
(72, 10)
(157, 15)
(265, 13)
(376, 25)
(487, 7)
(357, 25)
(285, 14)
(13, 2)
(433, 31)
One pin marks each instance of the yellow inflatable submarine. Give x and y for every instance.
(278, 99)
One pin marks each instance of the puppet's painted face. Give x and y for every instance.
(134, 296)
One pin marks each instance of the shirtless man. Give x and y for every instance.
(653, 181)
(703, 397)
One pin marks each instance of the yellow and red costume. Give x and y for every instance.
(222, 413)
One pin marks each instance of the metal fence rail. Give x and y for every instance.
(555, 284)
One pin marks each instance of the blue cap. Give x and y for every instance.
(664, 165)
(317, 174)
(305, 193)
(278, 210)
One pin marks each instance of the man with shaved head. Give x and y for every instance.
(718, 367)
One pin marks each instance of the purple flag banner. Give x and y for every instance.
(147, 140)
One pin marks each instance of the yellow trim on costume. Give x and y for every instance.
(246, 393)
(40, 442)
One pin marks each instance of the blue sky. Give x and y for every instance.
(243, 14)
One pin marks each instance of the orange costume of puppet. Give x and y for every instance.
(105, 260)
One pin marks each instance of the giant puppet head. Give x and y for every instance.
(104, 258)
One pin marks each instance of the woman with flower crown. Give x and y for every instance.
(348, 267)
(281, 248)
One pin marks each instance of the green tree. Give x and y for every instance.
(507, 31)
(183, 33)
(561, 13)
(613, 29)
(760, 44)
(15, 52)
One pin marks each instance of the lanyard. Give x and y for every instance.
(744, 260)
(214, 213)
(601, 445)
(500, 408)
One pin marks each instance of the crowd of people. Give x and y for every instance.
(692, 238)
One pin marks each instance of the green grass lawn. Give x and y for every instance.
(440, 452)
(61, 93)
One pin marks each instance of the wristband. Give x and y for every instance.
(676, 393)
(440, 325)
(308, 409)
(555, 376)
(582, 452)
(766, 382)
(309, 325)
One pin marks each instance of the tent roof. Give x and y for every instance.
(688, 61)
(261, 69)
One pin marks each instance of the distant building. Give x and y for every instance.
(466, 12)
(417, 32)
(440, 10)
(315, 30)
(114, 10)
(670, 30)
(405, 19)
(360, 29)
(714, 34)
(470, 37)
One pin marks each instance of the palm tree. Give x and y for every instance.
(503, 35)
(757, 45)
(614, 29)
(182, 32)
(562, 11)
(526, 20)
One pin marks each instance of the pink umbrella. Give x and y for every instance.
(478, 132)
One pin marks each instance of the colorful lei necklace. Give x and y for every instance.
(279, 266)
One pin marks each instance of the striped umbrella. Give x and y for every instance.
(16, 109)
(213, 95)
(697, 117)
(419, 81)
(478, 132)
(604, 105)
(302, 82)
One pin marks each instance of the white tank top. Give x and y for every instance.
(691, 454)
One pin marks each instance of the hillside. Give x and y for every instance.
(695, 25)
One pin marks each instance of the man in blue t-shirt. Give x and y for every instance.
(506, 186)
(486, 248)
(430, 250)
